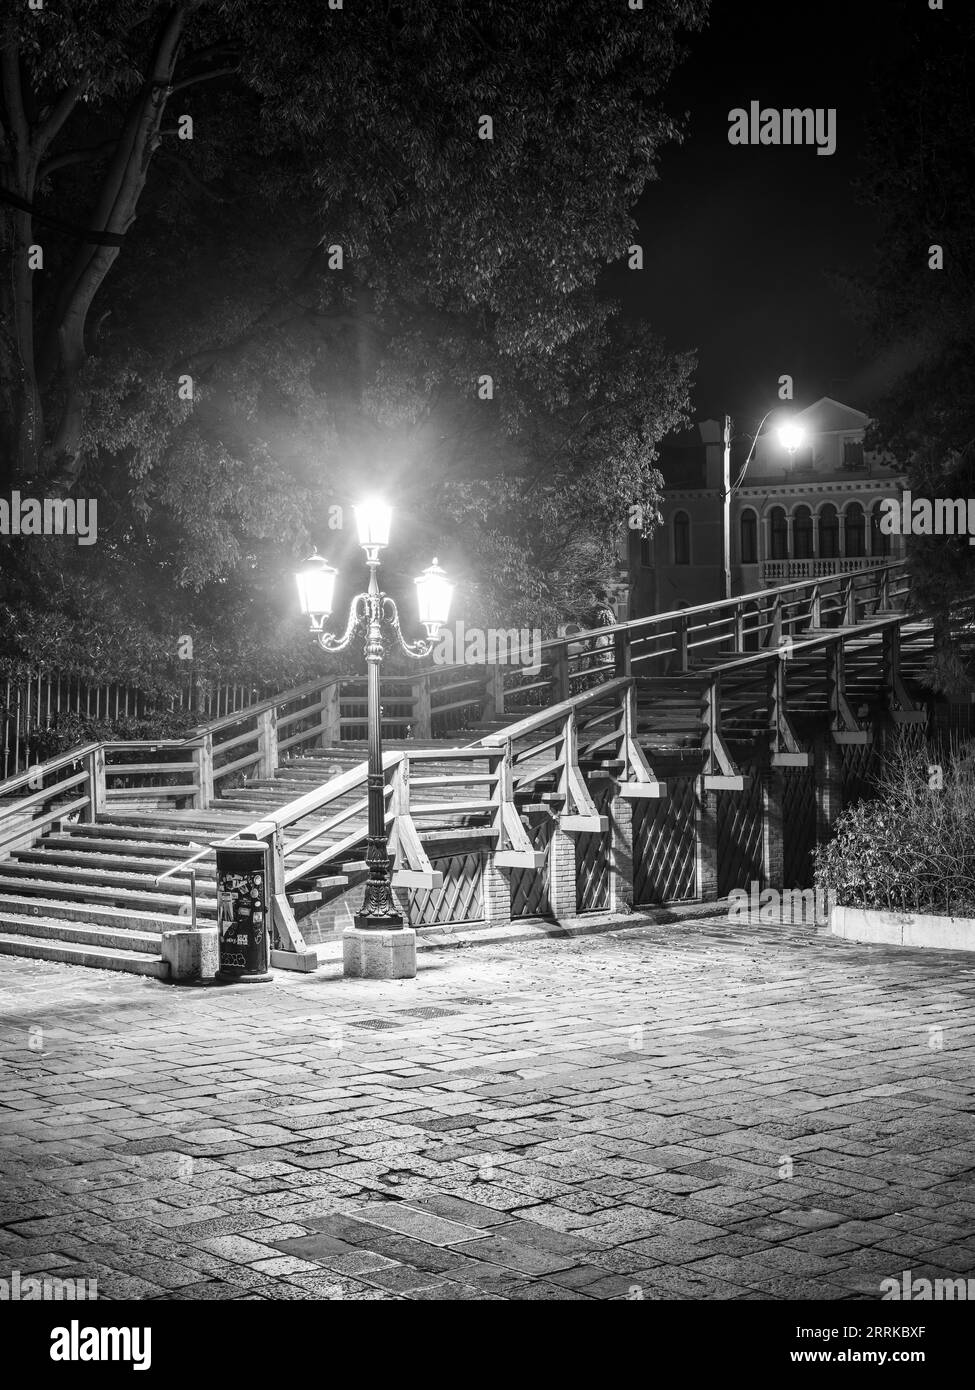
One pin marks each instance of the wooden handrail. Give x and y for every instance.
(549, 714)
(639, 630)
(42, 769)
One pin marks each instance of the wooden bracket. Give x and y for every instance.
(293, 953)
(641, 783)
(783, 744)
(900, 705)
(413, 867)
(522, 854)
(845, 728)
(720, 772)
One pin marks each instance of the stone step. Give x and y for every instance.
(58, 890)
(145, 864)
(57, 872)
(213, 819)
(96, 957)
(181, 843)
(104, 914)
(118, 848)
(58, 929)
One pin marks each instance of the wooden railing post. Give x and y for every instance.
(267, 742)
(561, 688)
(849, 602)
(681, 659)
(621, 645)
(96, 782)
(883, 590)
(563, 888)
(815, 608)
(331, 715)
(775, 633)
(203, 773)
(399, 804)
(422, 716)
(495, 885)
(493, 692)
(275, 841)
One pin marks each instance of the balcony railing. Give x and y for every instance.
(781, 571)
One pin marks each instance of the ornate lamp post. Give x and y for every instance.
(374, 611)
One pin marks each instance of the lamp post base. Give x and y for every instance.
(375, 953)
(377, 921)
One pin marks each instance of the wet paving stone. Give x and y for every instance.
(670, 1112)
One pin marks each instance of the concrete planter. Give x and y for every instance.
(903, 928)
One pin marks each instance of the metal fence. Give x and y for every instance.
(32, 703)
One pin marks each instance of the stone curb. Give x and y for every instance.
(542, 929)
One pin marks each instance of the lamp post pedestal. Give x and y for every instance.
(370, 953)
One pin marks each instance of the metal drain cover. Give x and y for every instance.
(428, 1012)
(375, 1023)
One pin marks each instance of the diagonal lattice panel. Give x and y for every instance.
(530, 887)
(459, 898)
(739, 826)
(798, 827)
(664, 846)
(858, 761)
(593, 859)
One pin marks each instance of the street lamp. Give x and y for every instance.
(791, 437)
(374, 610)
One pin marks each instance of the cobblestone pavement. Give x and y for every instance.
(693, 1111)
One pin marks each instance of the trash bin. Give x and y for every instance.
(243, 912)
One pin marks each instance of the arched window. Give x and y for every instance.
(682, 538)
(802, 534)
(829, 532)
(855, 531)
(879, 540)
(779, 534)
(749, 537)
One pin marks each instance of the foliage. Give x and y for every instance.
(69, 731)
(463, 258)
(919, 173)
(913, 848)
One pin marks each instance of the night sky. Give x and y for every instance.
(739, 242)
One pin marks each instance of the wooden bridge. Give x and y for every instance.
(667, 759)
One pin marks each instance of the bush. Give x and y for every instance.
(913, 848)
(71, 730)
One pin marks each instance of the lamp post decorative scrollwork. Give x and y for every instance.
(374, 612)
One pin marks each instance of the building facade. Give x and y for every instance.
(790, 517)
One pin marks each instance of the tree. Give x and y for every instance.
(920, 305)
(335, 263)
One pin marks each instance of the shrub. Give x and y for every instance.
(70, 730)
(913, 848)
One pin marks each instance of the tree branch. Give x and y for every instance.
(59, 113)
(204, 77)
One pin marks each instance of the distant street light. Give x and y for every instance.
(791, 436)
(374, 611)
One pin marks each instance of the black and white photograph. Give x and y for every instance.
(487, 672)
